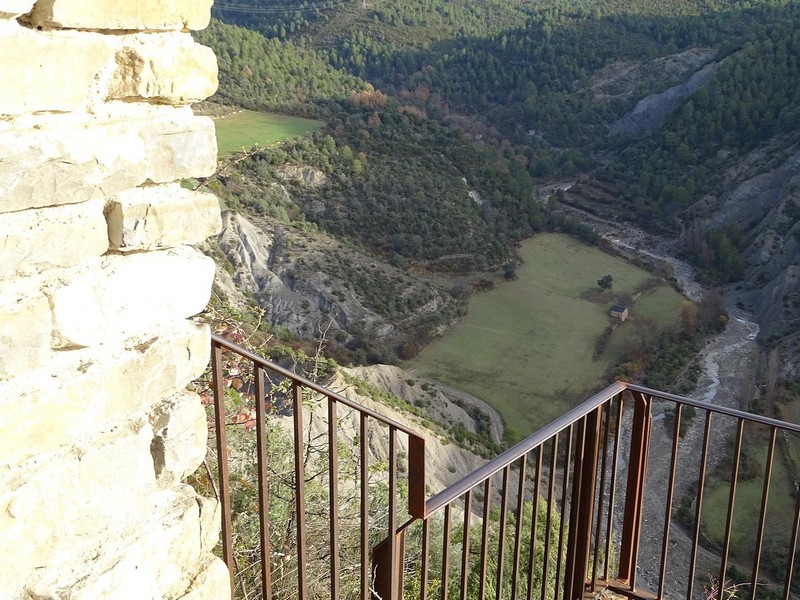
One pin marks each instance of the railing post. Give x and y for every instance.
(218, 388)
(582, 513)
(381, 588)
(416, 476)
(641, 427)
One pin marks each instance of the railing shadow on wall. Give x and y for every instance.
(638, 492)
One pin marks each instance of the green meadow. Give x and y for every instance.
(247, 128)
(527, 347)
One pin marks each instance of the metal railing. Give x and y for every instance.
(249, 391)
(644, 493)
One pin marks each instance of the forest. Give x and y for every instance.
(422, 95)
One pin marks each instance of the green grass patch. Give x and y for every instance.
(661, 305)
(527, 346)
(247, 128)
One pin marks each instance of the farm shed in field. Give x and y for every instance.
(620, 311)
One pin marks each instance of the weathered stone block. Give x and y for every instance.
(58, 512)
(25, 331)
(62, 236)
(98, 522)
(71, 162)
(211, 583)
(168, 68)
(210, 522)
(157, 559)
(11, 9)
(81, 69)
(65, 64)
(180, 435)
(123, 14)
(161, 217)
(80, 391)
(120, 296)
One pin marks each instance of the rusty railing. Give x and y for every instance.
(640, 492)
(248, 393)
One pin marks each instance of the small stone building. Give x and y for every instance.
(619, 311)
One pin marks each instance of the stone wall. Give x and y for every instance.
(98, 285)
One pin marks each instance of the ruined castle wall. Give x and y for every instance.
(98, 286)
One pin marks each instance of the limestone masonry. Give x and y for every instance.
(98, 287)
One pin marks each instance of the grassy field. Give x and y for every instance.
(245, 129)
(527, 346)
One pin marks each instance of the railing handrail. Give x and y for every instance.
(731, 412)
(592, 419)
(268, 364)
(501, 461)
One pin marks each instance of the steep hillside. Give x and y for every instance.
(761, 207)
(309, 284)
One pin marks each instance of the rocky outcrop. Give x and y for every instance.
(306, 281)
(304, 176)
(445, 461)
(650, 112)
(763, 201)
(97, 290)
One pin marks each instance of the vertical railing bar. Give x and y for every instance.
(648, 430)
(263, 481)
(574, 507)
(365, 562)
(222, 459)
(601, 497)
(300, 491)
(726, 542)
(416, 476)
(763, 515)
(446, 553)
(670, 494)
(583, 507)
(423, 576)
(698, 508)
(564, 498)
(333, 496)
(613, 491)
(501, 536)
(518, 532)
(551, 490)
(487, 505)
(635, 488)
(391, 534)
(534, 521)
(793, 547)
(465, 544)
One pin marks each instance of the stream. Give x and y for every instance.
(728, 362)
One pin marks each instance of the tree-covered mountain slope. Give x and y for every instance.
(445, 118)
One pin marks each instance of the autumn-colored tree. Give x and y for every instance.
(689, 318)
